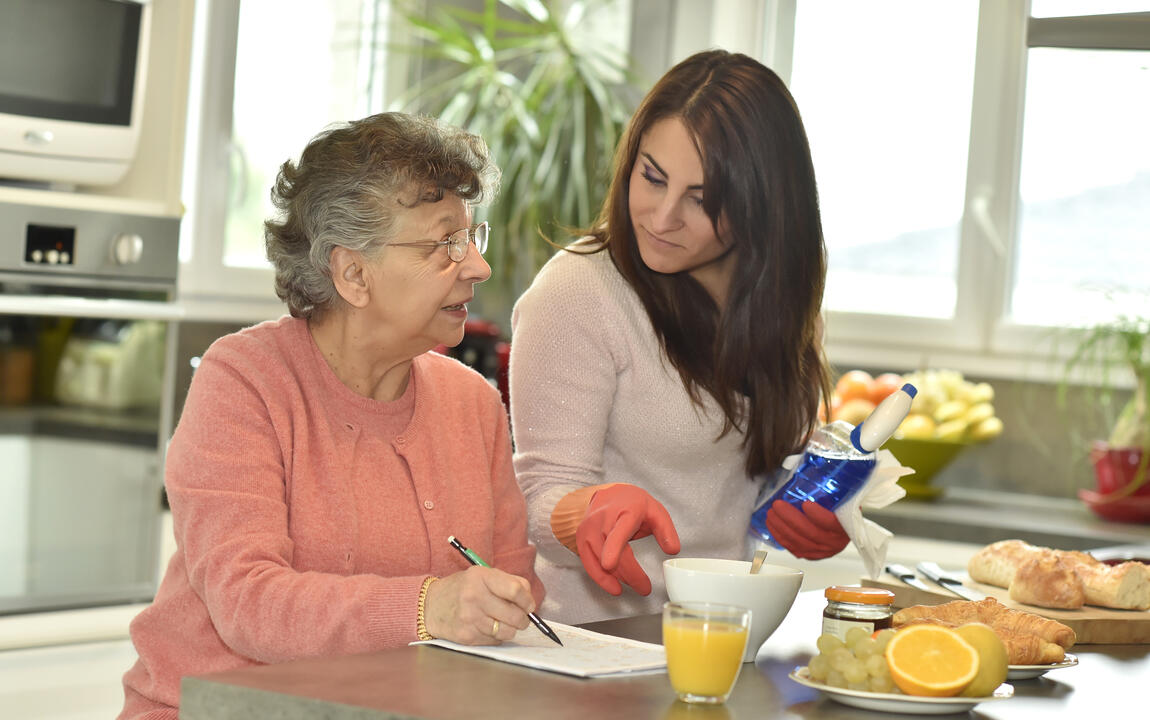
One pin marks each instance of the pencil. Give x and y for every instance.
(474, 559)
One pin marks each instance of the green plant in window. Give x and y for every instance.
(551, 103)
(1101, 348)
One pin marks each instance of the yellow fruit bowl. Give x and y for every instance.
(927, 456)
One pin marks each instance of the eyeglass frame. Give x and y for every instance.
(471, 236)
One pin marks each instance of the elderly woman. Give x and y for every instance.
(322, 460)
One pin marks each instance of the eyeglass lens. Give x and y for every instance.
(460, 239)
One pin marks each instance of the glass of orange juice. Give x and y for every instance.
(704, 644)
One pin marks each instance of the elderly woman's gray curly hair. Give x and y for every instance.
(346, 190)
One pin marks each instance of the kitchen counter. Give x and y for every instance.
(431, 682)
(947, 531)
(982, 517)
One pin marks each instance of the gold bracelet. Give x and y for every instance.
(420, 620)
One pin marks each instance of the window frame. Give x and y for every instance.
(980, 338)
(204, 272)
(209, 287)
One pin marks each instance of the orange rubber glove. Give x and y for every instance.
(606, 519)
(812, 533)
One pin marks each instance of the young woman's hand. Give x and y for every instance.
(615, 516)
(812, 533)
(478, 606)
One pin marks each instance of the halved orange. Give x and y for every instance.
(931, 660)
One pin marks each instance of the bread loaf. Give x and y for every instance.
(995, 564)
(1125, 586)
(1060, 578)
(1047, 580)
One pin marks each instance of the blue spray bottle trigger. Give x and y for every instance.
(870, 434)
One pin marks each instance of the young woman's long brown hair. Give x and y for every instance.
(760, 357)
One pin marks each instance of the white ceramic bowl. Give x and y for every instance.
(769, 593)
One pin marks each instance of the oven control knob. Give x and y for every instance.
(127, 248)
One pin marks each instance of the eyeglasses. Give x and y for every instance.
(458, 241)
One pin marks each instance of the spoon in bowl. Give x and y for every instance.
(757, 562)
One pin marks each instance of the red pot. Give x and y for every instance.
(1115, 468)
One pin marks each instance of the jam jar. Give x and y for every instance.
(850, 606)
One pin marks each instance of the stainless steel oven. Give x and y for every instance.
(86, 346)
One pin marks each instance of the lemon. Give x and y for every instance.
(950, 410)
(989, 428)
(979, 412)
(916, 425)
(992, 659)
(951, 430)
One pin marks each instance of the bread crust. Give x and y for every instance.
(1047, 581)
(1065, 579)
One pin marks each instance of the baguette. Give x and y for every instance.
(1125, 586)
(1046, 580)
(996, 563)
(1058, 578)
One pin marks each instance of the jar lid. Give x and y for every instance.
(854, 594)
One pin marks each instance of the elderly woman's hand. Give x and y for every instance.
(478, 606)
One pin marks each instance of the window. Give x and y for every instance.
(984, 172)
(270, 75)
(1083, 249)
(885, 97)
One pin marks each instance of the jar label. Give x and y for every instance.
(839, 627)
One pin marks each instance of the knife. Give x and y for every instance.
(907, 575)
(948, 581)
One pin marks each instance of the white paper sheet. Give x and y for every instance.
(584, 653)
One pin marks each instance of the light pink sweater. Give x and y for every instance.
(594, 400)
(307, 516)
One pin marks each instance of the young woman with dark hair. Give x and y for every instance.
(655, 387)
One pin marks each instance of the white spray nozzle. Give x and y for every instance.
(870, 434)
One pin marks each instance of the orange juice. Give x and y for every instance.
(703, 656)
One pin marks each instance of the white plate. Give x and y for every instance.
(1026, 672)
(892, 703)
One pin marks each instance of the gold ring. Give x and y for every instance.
(494, 628)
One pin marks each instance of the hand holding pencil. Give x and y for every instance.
(474, 559)
(478, 606)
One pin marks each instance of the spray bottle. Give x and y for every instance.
(837, 460)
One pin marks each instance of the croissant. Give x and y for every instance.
(1014, 627)
(1021, 648)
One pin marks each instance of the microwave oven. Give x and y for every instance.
(72, 75)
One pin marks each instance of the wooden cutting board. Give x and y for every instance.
(1104, 626)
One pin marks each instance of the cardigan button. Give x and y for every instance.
(399, 440)
(428, 504)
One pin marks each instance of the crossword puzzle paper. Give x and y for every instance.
(584, 653)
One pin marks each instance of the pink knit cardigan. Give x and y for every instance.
(307, 516)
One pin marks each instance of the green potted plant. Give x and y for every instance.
(551, 104)
(1121, 461)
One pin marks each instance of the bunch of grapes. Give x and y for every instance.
(856, 664)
